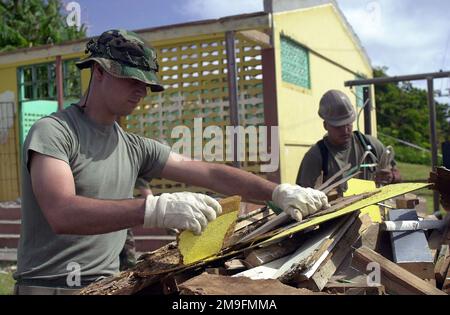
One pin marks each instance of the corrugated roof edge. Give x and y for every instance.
(144, 30)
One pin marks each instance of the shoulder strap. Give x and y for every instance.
(365, 142)
(324, 153)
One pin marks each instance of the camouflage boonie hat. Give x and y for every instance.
(124, 54)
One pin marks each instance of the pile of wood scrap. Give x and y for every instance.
(441, 183)
(335, 251)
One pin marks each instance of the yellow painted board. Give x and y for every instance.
(194, 248)
(359, 186)
(386, 192)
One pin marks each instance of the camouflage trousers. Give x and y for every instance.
(128, 254)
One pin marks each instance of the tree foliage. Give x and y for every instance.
(28, 23)
(402, 112)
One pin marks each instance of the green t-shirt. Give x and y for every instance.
(338, 157)
(105, 162)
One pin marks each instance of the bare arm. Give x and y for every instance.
(218, 177)
(54, 188)
(397, 178)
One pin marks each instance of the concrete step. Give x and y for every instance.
(10, 213)
(8, 254)
(13, 227)
(9, 226)
(9, 240)
(143, 243)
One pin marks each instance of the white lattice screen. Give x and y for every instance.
(194, 74)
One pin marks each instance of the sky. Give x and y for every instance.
(407, 36)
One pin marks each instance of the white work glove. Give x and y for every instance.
(299, 202)
(183, 211)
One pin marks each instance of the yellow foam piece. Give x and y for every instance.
(194, 248)
(359, 186)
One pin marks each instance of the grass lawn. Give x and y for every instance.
(6, 279)
(415, 172)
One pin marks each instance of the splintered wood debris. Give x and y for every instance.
(326, 253)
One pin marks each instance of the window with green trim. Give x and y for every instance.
(359, 90)
(38, 81)
(72, 79)
(359, 96)
(294, 63)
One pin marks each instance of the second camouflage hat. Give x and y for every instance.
(336, 109)
(124, 54)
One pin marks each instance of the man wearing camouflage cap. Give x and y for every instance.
(341, 145)
(79, 168)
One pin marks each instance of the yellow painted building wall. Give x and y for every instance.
(9, 150)
(322, 30)
(9, 175)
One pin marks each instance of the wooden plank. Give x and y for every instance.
(207, 284)
(177, 33)
(327, 269)
(272, 252)
(395, 279)
(332, 178)
(442, 265)
(266, 271)
(386, 192)
(410, 248)
(268, 226)
(354, 288)
(446, 286)
(257, 37)
(406, 203)
(284, 218)
(252, 218)
(308, 256)
(310, 271)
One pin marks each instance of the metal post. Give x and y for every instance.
(433, 137)
(367, 110)
(232, 89)
(59, 83)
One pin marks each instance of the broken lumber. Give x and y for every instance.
(263, 255)
(442, 265)
(334, 259)
(358, 287)
(149, 270)
(304, 256)
(386, 192)
(446, 285)
(406, 202)
(305, 270)
(395, 279)
(207, 284)
(266, 271)
(410, 248)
